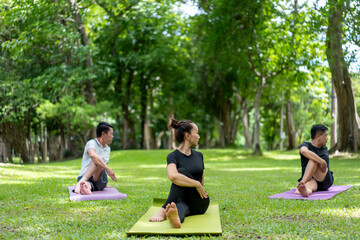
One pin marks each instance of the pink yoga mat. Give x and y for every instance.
(106, 194)
(320, 195)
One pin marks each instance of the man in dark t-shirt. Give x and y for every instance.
(315, 173)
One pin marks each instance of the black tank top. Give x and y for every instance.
(194, 163)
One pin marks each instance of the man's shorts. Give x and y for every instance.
(327, 183)
(97, 185)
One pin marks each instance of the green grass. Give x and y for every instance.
(34, 200)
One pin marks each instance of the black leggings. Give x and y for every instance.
(187, 199)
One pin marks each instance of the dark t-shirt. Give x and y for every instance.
(194, 163)
(321, 152)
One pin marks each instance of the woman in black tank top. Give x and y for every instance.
(185, 169)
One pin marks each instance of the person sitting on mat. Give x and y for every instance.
(315, 174)
(94, 167)
(185, 169)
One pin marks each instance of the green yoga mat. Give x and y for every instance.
(205, 224)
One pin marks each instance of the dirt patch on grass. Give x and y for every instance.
(5, 228)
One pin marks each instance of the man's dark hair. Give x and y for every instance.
(103, 127)
(318, 128)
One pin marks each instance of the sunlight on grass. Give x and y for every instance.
(152, 178)
(340, 156)
(256, 169)
(277, 156)
(344, 212)
(161, 166)
(22, 181)
(225, 158)
(239, 181)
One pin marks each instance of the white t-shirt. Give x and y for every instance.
(103, 152)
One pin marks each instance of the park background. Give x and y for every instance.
(253, 75)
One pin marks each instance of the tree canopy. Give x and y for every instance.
(250, 74)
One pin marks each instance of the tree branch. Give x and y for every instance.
(127, 9)
(273, 74)
(110, 13)
(5, 37)
(87, 5)
(252, 65)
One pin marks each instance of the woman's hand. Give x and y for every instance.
(201, 191)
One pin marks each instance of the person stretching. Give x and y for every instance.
(96, 155)
(315, 174)
(185, 169)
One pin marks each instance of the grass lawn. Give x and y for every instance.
(34, 200)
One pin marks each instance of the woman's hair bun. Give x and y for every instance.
(174, 124)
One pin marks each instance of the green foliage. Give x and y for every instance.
(149, 61)
(35, 201)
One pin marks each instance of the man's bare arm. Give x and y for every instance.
(99, 162)
(313, 157)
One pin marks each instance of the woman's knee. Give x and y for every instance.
(201, 206)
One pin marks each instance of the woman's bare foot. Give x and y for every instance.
(302, 189)
(159, 216)
(172, 215)
(85, 188)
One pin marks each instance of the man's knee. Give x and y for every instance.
(95, 166)
(312, 164)
(320, 175)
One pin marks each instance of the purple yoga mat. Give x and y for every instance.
(320, 195)
(106, 194)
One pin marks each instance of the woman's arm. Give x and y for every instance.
(183, 181)
(180, 179)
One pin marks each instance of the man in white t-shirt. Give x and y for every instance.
(94, 169)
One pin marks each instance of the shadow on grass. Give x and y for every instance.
(35, 200)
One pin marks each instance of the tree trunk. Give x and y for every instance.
(150, 132)
(290, 129)
(147, 134)
(245, 121)
(67, 140)
(119, 125)
(9, 152)
(235, 126)
(62, 145)
(348, 119)
(89, 88)
(171, 142)
(282, 127)
(158, 139)
(143, 115)
(225, 124)
(3, 151)
(30, 147)
(333, 130)
(129, 140)
(58, 144)
(257, 102)
(51, 149)
(44, 145)
(118, 97)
